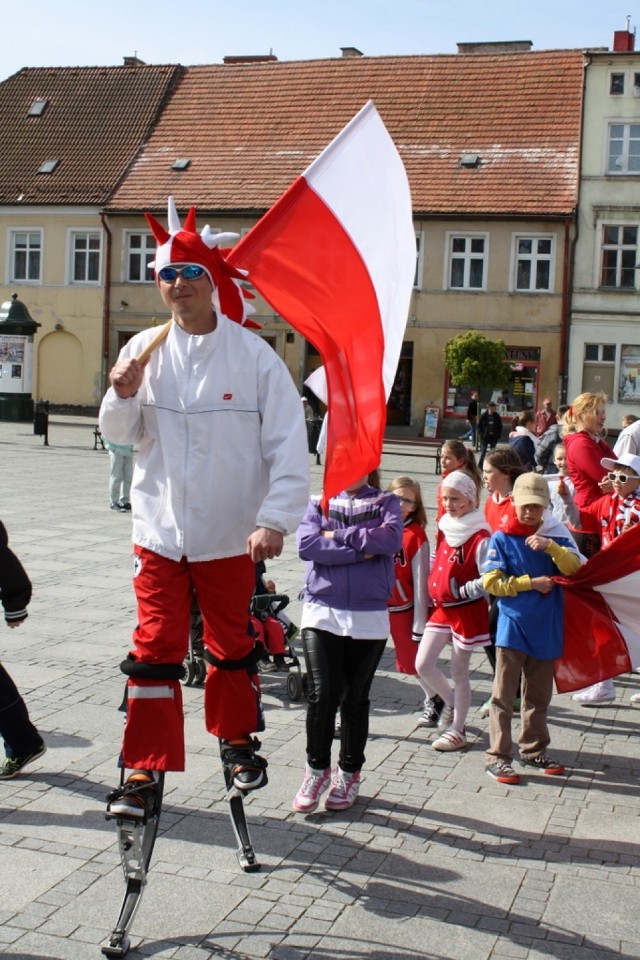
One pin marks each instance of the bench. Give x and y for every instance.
(98, 438)
(422, 447)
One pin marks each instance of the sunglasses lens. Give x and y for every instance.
(192, 271)
(168, 274)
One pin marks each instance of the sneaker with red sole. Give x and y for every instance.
(503, 772)
(544, 764)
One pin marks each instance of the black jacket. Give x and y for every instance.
(490, 426)
(15, 586)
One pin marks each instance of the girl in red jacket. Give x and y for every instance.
(461, 611)
(409, 602)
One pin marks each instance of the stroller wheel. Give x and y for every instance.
(189, 672)
(294, 686)
(201, 671)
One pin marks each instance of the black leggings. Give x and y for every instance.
(340, 671)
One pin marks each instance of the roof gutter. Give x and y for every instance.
(106, 307)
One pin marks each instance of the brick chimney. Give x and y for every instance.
(623, 40)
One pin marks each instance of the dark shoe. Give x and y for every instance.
(543, 763)
(135, 799)
(118, 507)
(124, 505)
(431, 714)
(13, 765)
(248, 770)
(503, 772)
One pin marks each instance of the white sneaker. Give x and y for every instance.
(446, 718)
(451, 739)
(314, 784)
(344, 790)
(597, 695)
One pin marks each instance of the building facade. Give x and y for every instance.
(605, 323)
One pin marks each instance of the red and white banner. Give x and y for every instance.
(602, 616)
(336, 256)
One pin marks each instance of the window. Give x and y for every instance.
(139, 250)
(616, 84)
(85, 257)
(598, 371)
(26, 255)
(619, 256)
(533, 264)
(629, 382)
(624, 148)
(467, 256)
(417, 279)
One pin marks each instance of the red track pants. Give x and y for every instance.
(154, 731)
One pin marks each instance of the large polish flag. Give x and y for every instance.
(335, 256)
(602, 616)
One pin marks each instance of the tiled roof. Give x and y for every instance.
(94, 122)
(250, 129)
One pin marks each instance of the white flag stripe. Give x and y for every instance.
(622, 597)
(150, 693)
(372, 202)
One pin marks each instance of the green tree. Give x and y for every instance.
(475, 361)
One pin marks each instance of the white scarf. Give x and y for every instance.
(457, 530)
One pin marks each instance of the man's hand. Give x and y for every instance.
(264, 544)
(126, 378)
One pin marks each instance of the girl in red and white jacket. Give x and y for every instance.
(461, 610)
(409, 602)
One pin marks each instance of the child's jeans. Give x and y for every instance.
(537, 688)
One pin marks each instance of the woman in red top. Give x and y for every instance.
(583, 435)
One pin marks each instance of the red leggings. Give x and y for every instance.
(154, 731)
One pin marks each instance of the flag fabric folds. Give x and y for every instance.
(602, 616)
(335, 256)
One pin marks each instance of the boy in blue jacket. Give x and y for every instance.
(522, 559)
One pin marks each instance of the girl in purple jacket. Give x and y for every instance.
(345, 625)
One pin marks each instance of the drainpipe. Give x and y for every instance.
(106, 307)
(567, 280)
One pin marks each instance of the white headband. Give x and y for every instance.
(463, 483)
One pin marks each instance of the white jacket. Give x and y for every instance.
(222, 442)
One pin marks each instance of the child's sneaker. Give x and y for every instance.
(503, 772)
(344, 790)
(451, 739)
(135, 799)
(313, 786)
(543, 763)
(445, 720)
(432, 710)
(485, 709)
(13, 765)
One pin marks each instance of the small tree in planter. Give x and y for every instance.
(475, 361)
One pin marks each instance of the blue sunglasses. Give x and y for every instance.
(192, 271)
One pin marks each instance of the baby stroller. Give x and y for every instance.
(270, 625)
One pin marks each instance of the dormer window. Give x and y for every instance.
(181, 163)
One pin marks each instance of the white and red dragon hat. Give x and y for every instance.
(186, 245)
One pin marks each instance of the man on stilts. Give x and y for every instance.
(221, 477)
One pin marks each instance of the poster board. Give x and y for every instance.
(431, 421)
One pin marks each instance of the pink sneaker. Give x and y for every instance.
(313, 786)
(344, 790)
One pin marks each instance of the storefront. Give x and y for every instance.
(519, 393)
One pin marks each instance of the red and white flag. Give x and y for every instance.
(335, 256)
(602, 616)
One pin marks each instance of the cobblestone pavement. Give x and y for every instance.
(435, 860)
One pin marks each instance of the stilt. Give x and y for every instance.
(136, 839)
(245, 852)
